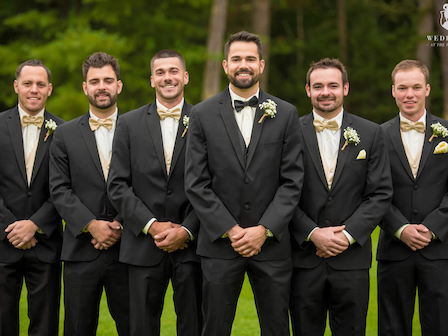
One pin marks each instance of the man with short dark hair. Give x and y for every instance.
(413, 248)
(79, 167)
(31, 229)
(146, 186)
(346, 192)
(243, 176)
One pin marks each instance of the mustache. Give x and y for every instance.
(102, 93)
(250, 72)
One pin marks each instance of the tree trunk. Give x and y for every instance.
(217, 28)
(300, 33)
(262, 27)
(425, 27)
(443, 59)
(342, 27)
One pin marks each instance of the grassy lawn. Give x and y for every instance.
(246, 322)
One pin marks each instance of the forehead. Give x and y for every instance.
(329, 75)
(33, 73)
(167, 63)
(243, 49)
(409, 77)
(104, 72)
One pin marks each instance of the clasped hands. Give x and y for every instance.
(247, 242)
(169, 236)
(21, 234)
(329, 241)
(416, 236)
(105, 234)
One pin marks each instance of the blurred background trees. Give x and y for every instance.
(369, 36)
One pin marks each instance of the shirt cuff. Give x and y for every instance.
(399, 231)
(40, 231)
(84, 230)
(350, 238)
(148, 225)
(308, 238)
(189, 232)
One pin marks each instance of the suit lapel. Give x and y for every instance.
(428, 147)
(89, 138)
(226, 110)
(153, 121)
(42, 148)
(342, 155)
(397, 142)
(180, 141)
(15, 131)
(256, 129)
(309, 134)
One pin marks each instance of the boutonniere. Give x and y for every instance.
(438, 130)
(270, 109)
(441, 148)
(51, 126)
(351, 137)
(185, 121)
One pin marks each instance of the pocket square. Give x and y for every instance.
(361, 155)
(441, 148)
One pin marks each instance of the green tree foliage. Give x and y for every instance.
(63, 33)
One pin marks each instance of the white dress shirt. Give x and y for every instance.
(104, 138)
(30, 133)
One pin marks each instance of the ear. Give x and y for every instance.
(119, 86)
(262, 64)
(186, 78)
(346, 89)
(428, 90)
(393, 91)
(50, 89)
(308, 90)
(84, 87)
(16, 86)
(224, 65)
(152, 82)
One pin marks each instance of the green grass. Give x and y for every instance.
(246, 322)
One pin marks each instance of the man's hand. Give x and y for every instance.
(329, 241)
(31, 243)
(248, 242)
(172, 239)
(21, 232)
(159, 227)
(416, 236)
(105, 233)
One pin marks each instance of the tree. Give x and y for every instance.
(262, 27)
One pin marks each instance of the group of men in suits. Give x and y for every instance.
(204, 195)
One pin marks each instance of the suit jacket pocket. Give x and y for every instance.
(274, 144)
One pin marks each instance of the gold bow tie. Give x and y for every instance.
(406, 126)
(174, 113)
(95, 124)
(319, 126)
(28, 120)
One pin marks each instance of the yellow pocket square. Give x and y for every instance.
(361, 155)
(441, 148)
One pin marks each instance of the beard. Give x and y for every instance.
(330, 108)
(102, 105)
(243, 83)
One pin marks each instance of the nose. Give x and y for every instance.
(410, 92)
(101, 84)
(34, 88)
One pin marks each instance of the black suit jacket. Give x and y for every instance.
(420, 200)
(17, 200)
(227, 187)
(359, 197)
(140, 188)
(78, 187)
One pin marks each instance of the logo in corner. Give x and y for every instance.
(444, 17)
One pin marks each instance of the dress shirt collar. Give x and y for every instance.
(234, 96)
(163, 107)
(113, 117)
(338, 118)
(423, 118)
(23, 113)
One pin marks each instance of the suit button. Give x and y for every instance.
(330, 199)
(415, 187)
(29, 193)
(247, 207)
(246, 180)
(169, 192)
(415, 212)
(327, 222)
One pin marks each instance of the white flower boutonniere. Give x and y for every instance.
(51, 126)
(438, 130)
(351, 137)
(270, 109)
(185, 121)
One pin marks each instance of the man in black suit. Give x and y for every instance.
(31, 229)
(79, 166)
(243, 177)
(346, 192)
(412, 250)
(146, 186)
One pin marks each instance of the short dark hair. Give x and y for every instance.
(99, 60)
(327, 63)
(33, 62)
(243, 36)
(167, 53)
(407, 65)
